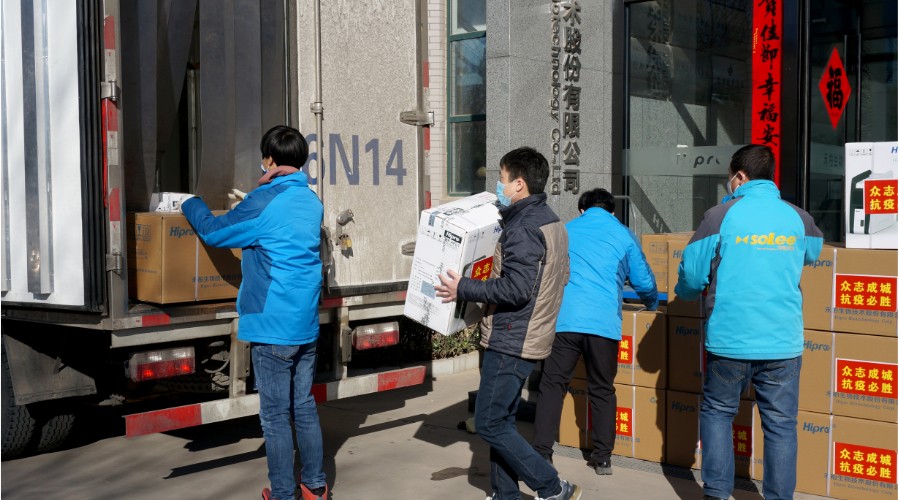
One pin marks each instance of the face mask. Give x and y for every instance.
(728, 186)
(263, 168)
(502, 198)
(728, 190)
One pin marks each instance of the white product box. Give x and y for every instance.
(461, 235)
(870, 194)
(167, 201)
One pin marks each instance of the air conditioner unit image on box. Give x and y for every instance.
(860, 221)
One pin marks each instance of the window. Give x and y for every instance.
(466, 98)
(689, 106)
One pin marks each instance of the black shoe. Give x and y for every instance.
(710, 497)
(601, 468)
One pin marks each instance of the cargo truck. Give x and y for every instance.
(106, 102)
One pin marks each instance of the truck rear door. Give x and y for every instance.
(52, 207)
(371, 171)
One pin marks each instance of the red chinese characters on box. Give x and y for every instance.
(866, 378)
(880, 197)
(626, 349)
(742, 436)
(865, 462)
(874, 293)
(623, 422)
(481, 270)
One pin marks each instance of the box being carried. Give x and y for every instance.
(461, 235)
(870, 194)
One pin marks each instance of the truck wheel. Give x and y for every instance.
(55, 431)
(18, 424)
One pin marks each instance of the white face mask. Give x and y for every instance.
(728, 186)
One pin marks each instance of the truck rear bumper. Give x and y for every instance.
(192, 415)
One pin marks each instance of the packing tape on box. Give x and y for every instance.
(197, 268)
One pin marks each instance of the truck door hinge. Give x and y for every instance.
(418, 118)
(114, 262)
(110, 90)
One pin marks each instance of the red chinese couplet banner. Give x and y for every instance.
(766, 93)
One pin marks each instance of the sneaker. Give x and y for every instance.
(710, 497)
(307, 494)
(601, 468)
(267, 494)
(568, 491)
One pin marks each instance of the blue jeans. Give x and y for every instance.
(284, 376)
(777, 385)
(512, 457)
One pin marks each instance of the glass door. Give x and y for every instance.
(852, 94)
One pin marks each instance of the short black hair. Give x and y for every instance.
(285, 145)
(598, 197)
(529, 165)
(756, 160)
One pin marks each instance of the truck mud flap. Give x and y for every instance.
(180, 417)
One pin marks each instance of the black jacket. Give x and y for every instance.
(523, 294)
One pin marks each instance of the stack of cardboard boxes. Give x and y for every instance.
(847, 426)
(687, 369)
(640, 390)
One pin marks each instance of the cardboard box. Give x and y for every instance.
(640, 421)
(849, 374)
(574, 419)
(461, 235)
(642, 350)
(683, 446)
(851, 290)
(167, 262)
(656, 249)
(843, 457)
(676, 305)
(686, 353)
(870, 194)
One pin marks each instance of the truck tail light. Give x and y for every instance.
(164, 363)
(377, 335)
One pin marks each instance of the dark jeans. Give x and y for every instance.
(601, 361)
(777, 385)
(284, 376)
(512, 458)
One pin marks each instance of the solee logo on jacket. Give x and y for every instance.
(766, 240)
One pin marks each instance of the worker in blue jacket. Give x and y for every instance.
(278, 227)
(748, 254)
(602, 254)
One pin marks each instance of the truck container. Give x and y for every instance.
(105, 102)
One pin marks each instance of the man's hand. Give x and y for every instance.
(448, 286)
(182, 200)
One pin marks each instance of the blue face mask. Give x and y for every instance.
(502, 198)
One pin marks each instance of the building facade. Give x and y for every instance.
(649, 98)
